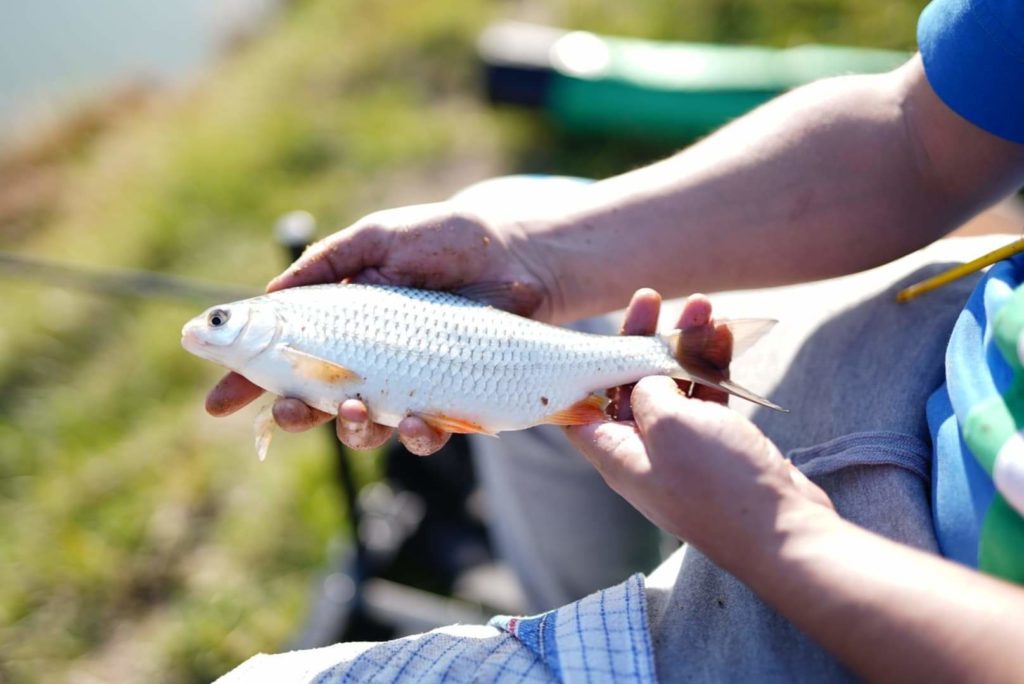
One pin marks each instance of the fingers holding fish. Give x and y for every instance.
(641, 319)
(696, 315)
(356, 430)
(294, 416)
(437, 246)
(230, 394)
(642, 313)
(696, 312)
(342, 255)
(419, 438)
(616, 450)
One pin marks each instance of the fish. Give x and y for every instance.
(460, 365)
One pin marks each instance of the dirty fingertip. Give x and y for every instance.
(642, 314)
(419, 438)
(696, 311)
(231, 393)
(294, 416)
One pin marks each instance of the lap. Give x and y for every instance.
(856, 369)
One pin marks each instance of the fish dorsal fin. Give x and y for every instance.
(459, 426)
(584, 411)
(315, 368)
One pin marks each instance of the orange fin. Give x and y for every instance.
(589, 410)
(452, 424)
(314, 368)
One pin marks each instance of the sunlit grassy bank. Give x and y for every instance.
(140, 540)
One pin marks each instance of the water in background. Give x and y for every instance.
(55, 52)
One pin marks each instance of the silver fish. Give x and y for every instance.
(458, 364)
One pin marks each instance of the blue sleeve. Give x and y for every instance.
(973, 52)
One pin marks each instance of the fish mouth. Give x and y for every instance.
(191, 340)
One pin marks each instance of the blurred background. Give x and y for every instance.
(140, 539)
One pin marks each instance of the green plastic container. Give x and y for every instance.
(660, 89)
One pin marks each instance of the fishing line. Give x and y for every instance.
(119, 282)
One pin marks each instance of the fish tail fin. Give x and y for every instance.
(704, 353)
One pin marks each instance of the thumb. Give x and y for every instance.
(342, 255)
(614, 449)
(667, 420)
(657, 397)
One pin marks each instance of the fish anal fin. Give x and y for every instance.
(588, 410)
(315, 368)
(459, 426)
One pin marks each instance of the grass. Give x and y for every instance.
(141, 539)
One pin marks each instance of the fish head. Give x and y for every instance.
(230, 334)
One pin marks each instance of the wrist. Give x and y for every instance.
(772, 554)
(805, 531)
(530, 242)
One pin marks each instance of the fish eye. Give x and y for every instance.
(218, 317)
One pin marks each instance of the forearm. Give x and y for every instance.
(826, 180)
(887, 611)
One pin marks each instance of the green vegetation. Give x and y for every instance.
(141, 540)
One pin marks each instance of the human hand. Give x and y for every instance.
(641, 318)
(435, 246)
(690, 465)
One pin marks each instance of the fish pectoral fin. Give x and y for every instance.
(314, 368)
(588, 410)
(459, 426)
(263, 429)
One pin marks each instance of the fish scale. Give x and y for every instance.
(458, 346)
(438, 355)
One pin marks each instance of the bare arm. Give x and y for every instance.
(891, 612)
(832, 178)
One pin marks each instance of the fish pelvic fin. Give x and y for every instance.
(704, 354)
(263, 429)
(459, 426)
(315, 368)
(588, 410)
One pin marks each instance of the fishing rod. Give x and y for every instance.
(121, 282)
(294, 232)
(352, 596)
